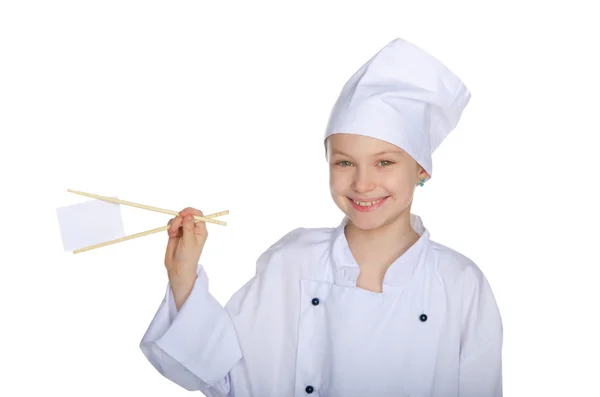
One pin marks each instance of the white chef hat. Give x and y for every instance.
(403, 96)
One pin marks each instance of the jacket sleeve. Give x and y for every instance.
(481, 340)
(196, 347)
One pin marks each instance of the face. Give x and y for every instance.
(371, 181)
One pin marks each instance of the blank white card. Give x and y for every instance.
(89, 223)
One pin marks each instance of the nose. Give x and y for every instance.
(363, 180)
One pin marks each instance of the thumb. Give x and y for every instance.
(189, 239)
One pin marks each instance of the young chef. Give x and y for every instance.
(372, 307)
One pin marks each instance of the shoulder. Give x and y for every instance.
(294, 244)
(302, 237)
(456, 266)
(463, 278)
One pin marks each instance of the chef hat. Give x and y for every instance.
(403, 96)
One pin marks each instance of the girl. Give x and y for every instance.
(370, 308)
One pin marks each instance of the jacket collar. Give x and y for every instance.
(346, 269)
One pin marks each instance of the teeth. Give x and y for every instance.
(365, 203)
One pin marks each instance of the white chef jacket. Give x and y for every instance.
(301, 327)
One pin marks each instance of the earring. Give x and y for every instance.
(421, 181)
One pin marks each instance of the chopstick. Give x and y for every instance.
(136, 235)
(146, 207)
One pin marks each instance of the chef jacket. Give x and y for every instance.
(301, 327)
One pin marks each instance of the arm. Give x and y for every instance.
(481, 340)
(195, 347)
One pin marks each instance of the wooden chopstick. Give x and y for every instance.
(146, 207)
(136, 235)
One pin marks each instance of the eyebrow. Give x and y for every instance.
(336, 151)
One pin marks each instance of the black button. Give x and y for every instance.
(423, 317)
(309, 389)
(315, 301)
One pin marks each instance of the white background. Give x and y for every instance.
(223, 106)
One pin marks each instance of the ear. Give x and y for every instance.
(423, 174)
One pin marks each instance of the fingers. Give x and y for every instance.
(174, 233)
(190, 211)
(185, 230)
(175, 227)
(189, 238)
(200, 226)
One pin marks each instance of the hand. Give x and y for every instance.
(184, 248)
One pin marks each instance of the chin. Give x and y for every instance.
(367, 221)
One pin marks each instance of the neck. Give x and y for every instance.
(380, 247)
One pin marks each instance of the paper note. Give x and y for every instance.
(88, 223)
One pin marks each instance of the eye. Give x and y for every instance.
(344, 163)
(385, 163)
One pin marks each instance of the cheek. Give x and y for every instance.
(338, 182)
(400, 186)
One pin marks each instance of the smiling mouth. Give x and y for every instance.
(364, 203)
(367, 203)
